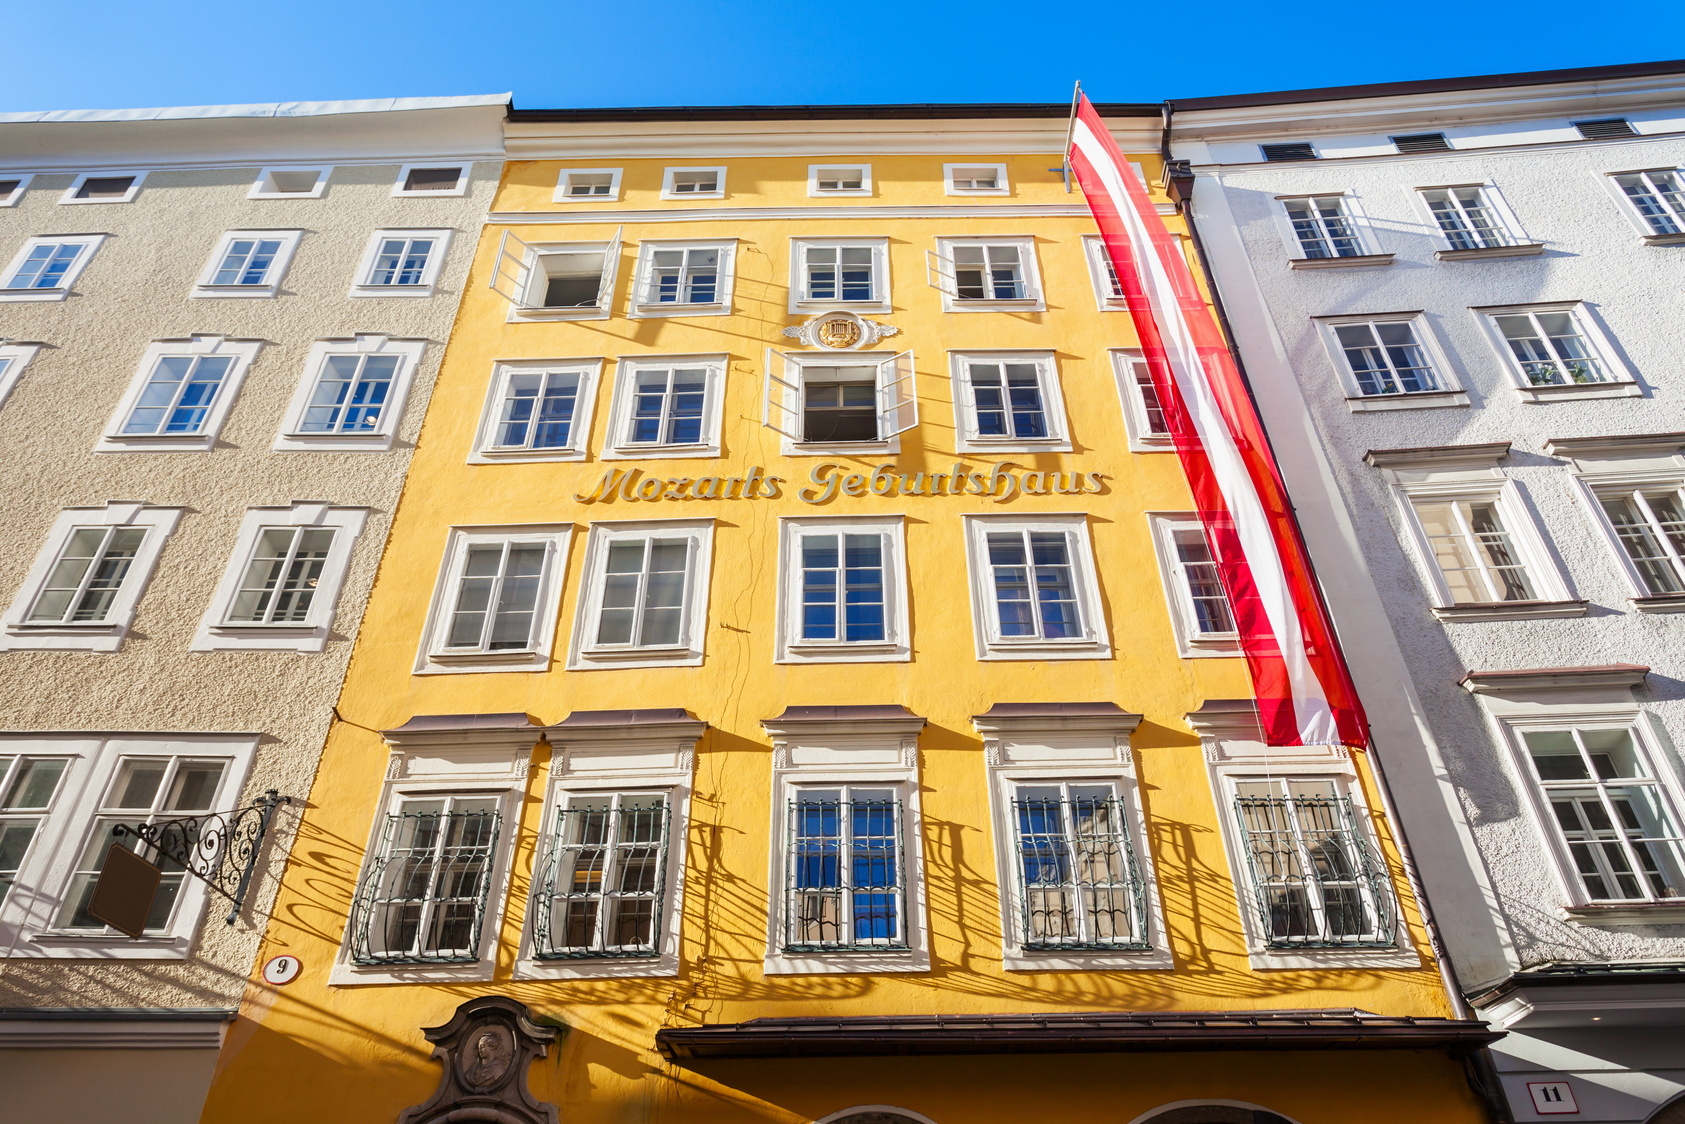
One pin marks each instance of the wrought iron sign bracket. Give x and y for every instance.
(220, 849)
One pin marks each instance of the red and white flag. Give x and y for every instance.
(1305, 694)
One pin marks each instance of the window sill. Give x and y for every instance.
(345, 974)
(1550, 393)
(1017, 304)
(238, 292)
(672, 651)
(1205, 647)
(1161, 444)
(333, 442)
(1353, 261)
(647, 452)
(1520, 250)
(1664, 239)
(841, 448)
(519, 456)
(997, 445)
(1042, 650)
(1510, 610)
(602, 968)
(800, 652)
(63, 945)
(360, 291)
(713, 308)
(1300, 959)
(846, 962)
(522, 655)
(22, 637)
(592, 660)
(518, 314)
(156, 443)
(1419, 400)
(33, 294)
(259, 629)
(1667, 603)
(1016, 959)
(1636, 913)
(809, 307)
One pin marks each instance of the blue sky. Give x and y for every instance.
(100, 54)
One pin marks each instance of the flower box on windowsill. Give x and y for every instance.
(1519, 250)
(1510, 610)
(1351, 261)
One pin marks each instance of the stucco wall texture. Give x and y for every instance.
(134, 291)
(1593, 253)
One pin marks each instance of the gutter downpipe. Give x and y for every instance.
(1479, 1069)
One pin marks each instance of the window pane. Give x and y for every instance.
(620, 591)
(194, 787)
(1205, 587)
(819, 587)
(34, 783)
(137, 783)
(664, 592)
(473, 599)
(1643, 540)
(1012, 585)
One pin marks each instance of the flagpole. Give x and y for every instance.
(1070, 128)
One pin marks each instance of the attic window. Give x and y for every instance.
(7, 187)
(1605, 127)
(432, 179)
(105, 187)
(1422, 142)
(293, 183)
(1276, 152)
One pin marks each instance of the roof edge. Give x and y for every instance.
(254, 109)
(906, 111)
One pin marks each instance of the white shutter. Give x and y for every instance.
(776, 412)
(611, 266)
(939, 273)
(510, 273)
(898, 399)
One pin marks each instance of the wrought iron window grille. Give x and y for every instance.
(1080, 885)
(423, 898)
(844, 876)
(603, 888)
(1318, 883)
(220, 849)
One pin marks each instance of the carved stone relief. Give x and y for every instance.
(486, 1049)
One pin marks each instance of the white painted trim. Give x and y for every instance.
(966, 437)
(464, 169)
(809, 211)
(15, 196)
(243, 352)
(69, 196)
(1034, 299)
(1002, 185)
(814, 191)
(1191, 645)
(560, 195)
(1443, 372)
(637, 308)
(271, 284)
(529, 309)
(579, 429)
(90, 244)
(264, 186)
(362, 286)
(669, 174)
(584, 654)
(380, 438)
(558, 537)
(788, 646)
(1141, 439)
(17, 357)
(1093, 645)
(1489, 486)
(800, 305)
(616, 442)
(1621, 384)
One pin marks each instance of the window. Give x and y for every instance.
(557, 280)
(683, 278)
(537, 410)
(843, 591)
(1315, 880)
(401, 263)
(1143, 414)
(248, 263)
(1604, 128)
(666, 406)
(289, 183)
(46, 267)
(1199, 609)
(644, 602)
(81, 591)
(1421, 142)
(1656, 198)
(12, 187)
(604, 880)
(1291, 150)
(28, 788)
(1078, 883)
(839, 179)
(1649, 525)
(1323, 227)
(840, 401)
(1007, 402)
(1474, 552)
(1555, 351)
(975, 179)
(978, 276)
(14, 357)
(1467, 218)
(851, 273)
(845, 883)
(1033, 591)
(1389, 362)
(587, 185)
(494, 607)
(352, 394)
(421, 179)
(281, 587)
(180, 395)
(693, 183)
(1609, 815)
(1108, 290)
(103, 188)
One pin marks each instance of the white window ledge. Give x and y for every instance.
(1626, 388)
(1089, 960)
(1520, 250)
(847, 962)
(1424, 400)
(1664, 239)
(1353, 261)
(1318, 959)
(1671, 603)
(1510, 610)
(1626, 913)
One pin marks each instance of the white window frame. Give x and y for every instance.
(802, 305)
(16, 357)
(1362, 230)
(69, 196)
(433, 658)
(15, 196)
(1002, 185)
(940, 274)
(464, 174)
(816, 171)
(789, 645)
(90, 244)
(444, 764)
(783, 403)
(1094, 644)
(217, 633)
(1125, 361)
(378, 440)
(966, 437)
(617, 444)
(1095, 254)
(638, 309)
(264, 186)
(1552, 592)
(362, 286)
(1178, 598)
(519, 277)
(243, 352)
(1508, 223)
(669, 174)
(29, 913)
(1621, 382)
(17, 634)
(272, 276)
(579, 429)
(585, 654)
(561, 196)
(1067, 750)
(1600, 483)
(596, 759)
(1448, 392)
(1639, 223)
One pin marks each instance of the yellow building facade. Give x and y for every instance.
(796, 686)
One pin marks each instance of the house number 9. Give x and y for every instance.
(281, 970)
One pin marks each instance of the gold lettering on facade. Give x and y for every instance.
(832, 480)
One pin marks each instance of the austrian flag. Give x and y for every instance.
(1305, 694)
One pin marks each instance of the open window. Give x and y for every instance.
(556, 280)
(840, 400)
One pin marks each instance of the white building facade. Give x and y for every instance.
(219, 328)
(1458, 305)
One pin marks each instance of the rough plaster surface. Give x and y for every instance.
(1593, 253)
(135, 290)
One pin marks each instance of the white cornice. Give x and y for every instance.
(1553, 679)
(1617, 445)
(95, 1033)
(1444, 456)
(1368, 158)
(817, 213)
